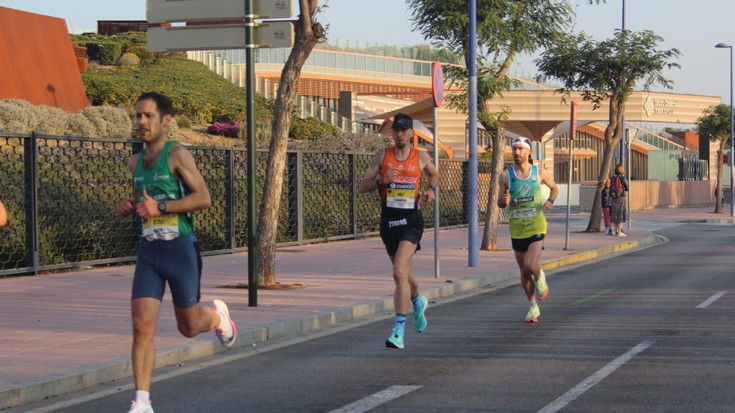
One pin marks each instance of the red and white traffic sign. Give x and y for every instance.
(437, 84)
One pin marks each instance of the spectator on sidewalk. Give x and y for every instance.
(167, 188)
(520, 186)
(396, 173)
(606, 202)
(618, 195)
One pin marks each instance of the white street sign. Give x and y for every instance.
(168, 11)
(229, 36)
(272, 35)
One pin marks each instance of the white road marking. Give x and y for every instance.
(590, 381)
(707, 302)
(375, 400)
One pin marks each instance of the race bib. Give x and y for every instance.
(524, 213)
(401, 196)
(164, 227)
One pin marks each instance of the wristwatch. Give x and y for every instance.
(162, 207)
(433, 187)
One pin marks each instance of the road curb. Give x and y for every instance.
(29, 391)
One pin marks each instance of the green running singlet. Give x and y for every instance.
(162, 185)
(526, 209)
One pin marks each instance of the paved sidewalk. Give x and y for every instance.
(64, 332)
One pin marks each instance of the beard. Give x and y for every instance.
(400, 145)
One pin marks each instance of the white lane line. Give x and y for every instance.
(375, 400)
(590, 381)
(707, 302)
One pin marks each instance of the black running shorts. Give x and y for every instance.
(397, 228)
(521, 245)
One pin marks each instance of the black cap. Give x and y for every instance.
(401, 122)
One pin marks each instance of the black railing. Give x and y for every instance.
(61, 194)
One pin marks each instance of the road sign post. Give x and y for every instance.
(247, 35)
(437, 92)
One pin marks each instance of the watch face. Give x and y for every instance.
(162, 206)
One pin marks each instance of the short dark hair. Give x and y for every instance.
(402, 122)
(163, 102)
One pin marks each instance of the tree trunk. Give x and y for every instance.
(613, 134)
(308, 33)
(492, 212)
(718, 187)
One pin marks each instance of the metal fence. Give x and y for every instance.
(61, 194)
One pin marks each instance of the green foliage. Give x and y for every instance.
(197, 93)
(183, 122)
(106, 53)
(128, 59)
(142, 52)
(610, 68)
(18, 116)
(715, 123)
(310, 128)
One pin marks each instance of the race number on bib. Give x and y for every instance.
(402, 196)
(164, 227)
(524, 213)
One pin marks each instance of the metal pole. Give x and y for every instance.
(250, 119)
(472, 213)
(732, 144)
(572, 132)
(622, 141)
(437, 272)
(626, 135)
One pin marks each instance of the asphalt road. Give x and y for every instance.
(650, 331)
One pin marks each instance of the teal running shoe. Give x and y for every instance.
(419, 317)
(533, 314)
(395, 340)
(542, 290)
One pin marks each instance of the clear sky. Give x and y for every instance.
(693, 27)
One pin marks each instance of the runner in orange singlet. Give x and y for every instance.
(396, 173)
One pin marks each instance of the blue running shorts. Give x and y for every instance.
(177, 261)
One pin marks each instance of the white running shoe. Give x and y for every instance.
(136, 407)
(226, 336)
(622, 234)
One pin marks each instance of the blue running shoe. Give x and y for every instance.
(419, 318)
(395, 340)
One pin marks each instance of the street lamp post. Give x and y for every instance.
(732, 133)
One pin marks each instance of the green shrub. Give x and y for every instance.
(183, 122)
(108, 121)
(310, 128)
(128, 59)
(51, 121)
(19, 116)
(78, 125)
(197, 93)
(106, 53)
(145, 56)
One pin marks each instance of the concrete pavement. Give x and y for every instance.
(65, 332)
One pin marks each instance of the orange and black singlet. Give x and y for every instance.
(404, 194)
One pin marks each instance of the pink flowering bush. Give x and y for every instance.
(231, 130)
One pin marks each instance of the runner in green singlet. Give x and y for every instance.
(520, 188)
(167, 188)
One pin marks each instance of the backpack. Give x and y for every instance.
(616, 188)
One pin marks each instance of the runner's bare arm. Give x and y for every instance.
(183, 165)
(428, 167)
(548, 180)
(368, 182)
(3, 215)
